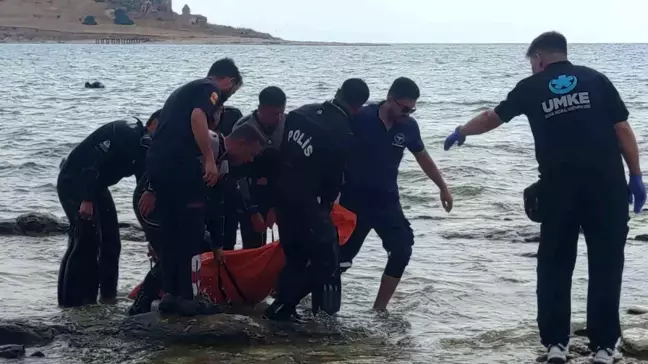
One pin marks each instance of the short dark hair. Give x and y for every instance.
(272, 96)
(550, 42)
(404, 88)
(247, 133)
(225, 67)
(354, 92)
(155, 115)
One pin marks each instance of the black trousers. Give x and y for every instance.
(181, 205)
(392, 227)
(85, 269)
(310, 244)
(598, 204)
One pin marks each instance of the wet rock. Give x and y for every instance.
(41, 224)
(37, 354)
(26, 334)
(532, 239)
(222, 329)
(95, 84)
(637, 310)
(642, 237)
(35, 223)
(635, 341)
(12, 351)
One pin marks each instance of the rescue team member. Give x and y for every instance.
(314, 148)
(579, 125)
(259, 213)
(237, 148)
(179, 163)
(229, 116)
(382, 133)
(114, 151)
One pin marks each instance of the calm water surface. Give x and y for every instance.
(468, 295)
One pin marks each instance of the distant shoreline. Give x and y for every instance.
(35, 35)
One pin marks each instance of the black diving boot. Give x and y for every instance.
(141, 305)
(280, 312)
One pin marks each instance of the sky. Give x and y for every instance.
(432, 21)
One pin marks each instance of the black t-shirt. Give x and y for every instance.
(572, 111)
(174, 146)
(112, 152)
(315, 145)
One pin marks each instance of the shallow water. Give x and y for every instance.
(468, 295)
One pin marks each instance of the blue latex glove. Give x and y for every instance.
(453, 138)
(637, 189)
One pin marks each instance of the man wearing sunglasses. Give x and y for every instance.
(382, 133)
(114, 151)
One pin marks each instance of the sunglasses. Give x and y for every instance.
(405, 109)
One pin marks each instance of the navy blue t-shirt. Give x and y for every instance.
(371, 175)
(572, 111)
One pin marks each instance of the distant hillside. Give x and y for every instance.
(63, 20)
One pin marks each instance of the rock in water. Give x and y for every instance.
(642, 237)
(12, 351)
(35, 223)
(637, 310)
(220, 329)
(635, 341)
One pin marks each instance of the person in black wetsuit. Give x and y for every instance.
(179, 163)
(114, 151)
(231, 203)
(579, 124)
(238, 148)
(315, 143)
(259, 183)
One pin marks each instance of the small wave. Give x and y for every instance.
(468, 191)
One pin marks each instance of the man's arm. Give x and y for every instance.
(488, 120)
(200, 130)
(629, 147)
(430, 168)
(416, 146)
(104, 144)
(205, 106)
(618, 113)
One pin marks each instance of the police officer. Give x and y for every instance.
(382, 133)
(114, 151)
(580, 128)
(259, 213)
(237, 148)
(316, 141)
(179, 163)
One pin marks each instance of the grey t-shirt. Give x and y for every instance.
(273, 137)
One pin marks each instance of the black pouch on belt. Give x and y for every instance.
(531, 202)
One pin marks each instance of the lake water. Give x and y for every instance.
(468, 295)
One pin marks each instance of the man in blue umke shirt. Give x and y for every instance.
(382, 133)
